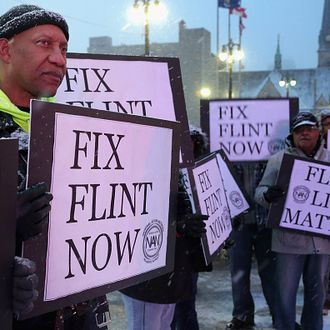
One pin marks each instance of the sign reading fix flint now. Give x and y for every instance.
(113, 190)
(247, 129)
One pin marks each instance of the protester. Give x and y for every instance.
(185, 315)
(297, 254)
(251, 239)
(325, 125)
(151, 304)
(33, 46)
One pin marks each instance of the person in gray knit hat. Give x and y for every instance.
(33, 48)
(33, 44)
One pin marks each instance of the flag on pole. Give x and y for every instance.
(229, 3)
(241, 27)
(238, 11)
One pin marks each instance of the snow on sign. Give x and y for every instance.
(307, 202)
(247, 129)
(113, 189)
(212, 201)
(144, 86)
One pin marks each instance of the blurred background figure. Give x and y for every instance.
(252, 241)
(185, 315)
(325, 125)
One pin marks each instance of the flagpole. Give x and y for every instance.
(218, 37)
(230, 64)
(240, 61)
(229, 25)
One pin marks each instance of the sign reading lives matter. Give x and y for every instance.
(210, 193)
(113, 188)
(8, 194)
(307, 202)
(144, 86)
(247, 129)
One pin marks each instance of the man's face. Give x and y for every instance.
(305, 138)
(37, 61)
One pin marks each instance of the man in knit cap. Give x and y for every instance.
(33, 47)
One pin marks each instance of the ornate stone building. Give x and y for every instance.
(199, 69)
(198, 64)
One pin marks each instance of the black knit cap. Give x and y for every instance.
(24, 17)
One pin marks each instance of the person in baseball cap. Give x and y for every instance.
(304, 118)
(298, 254)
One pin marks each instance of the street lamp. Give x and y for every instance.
(205, 92)
(230, 54)
(146, 11)
(287, 83)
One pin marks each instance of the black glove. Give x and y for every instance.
(194, 225)
(236, 222)
(32, 210)
(189, 224)
(25, 282)
(228, 243)
(273, 194)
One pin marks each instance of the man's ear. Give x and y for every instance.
(4, 50)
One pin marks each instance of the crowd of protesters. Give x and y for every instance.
(166, 302)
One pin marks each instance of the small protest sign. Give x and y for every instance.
(210, 193)
(307, 202)
(8, 194)
(113, 187)
(247, 129)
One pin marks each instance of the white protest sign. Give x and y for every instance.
(148, 87)
(307, 203)
(135, 87)
(236, 200)
(112, 186)
(213, 202)
(248, 130)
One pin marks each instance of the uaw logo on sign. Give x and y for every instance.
(275, 146)
(300, 194)
(236, 199)
(152, 240)
(226, 217)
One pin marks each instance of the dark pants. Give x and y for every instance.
(185, 315)
(250, 239)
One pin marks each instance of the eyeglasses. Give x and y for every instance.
(307, 128)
